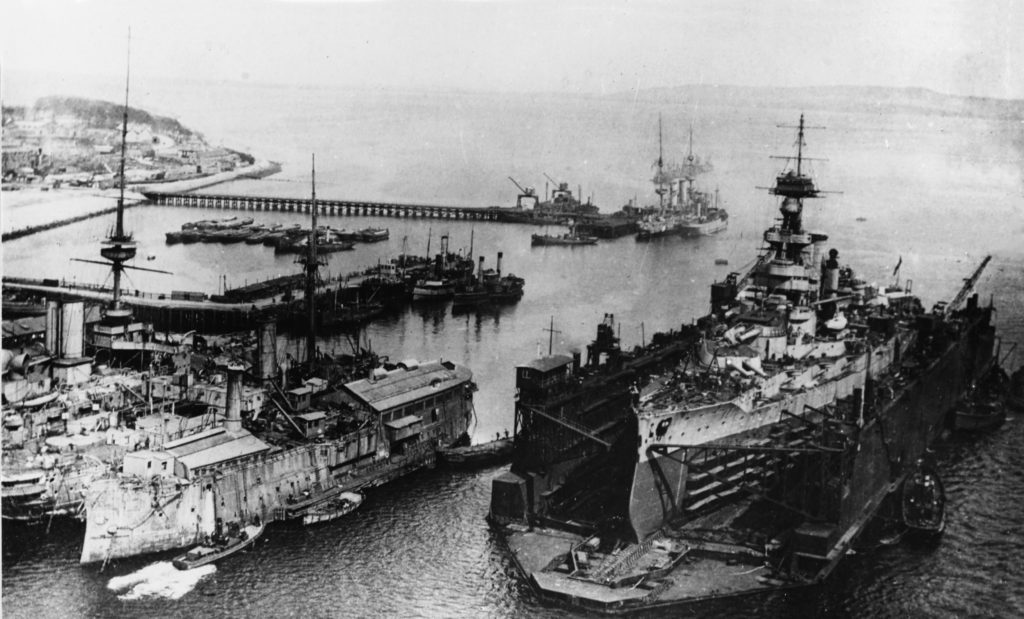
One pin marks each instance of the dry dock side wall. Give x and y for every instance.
(891, 443)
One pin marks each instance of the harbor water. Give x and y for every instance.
(933, 192)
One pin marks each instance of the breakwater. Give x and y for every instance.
(30, 230)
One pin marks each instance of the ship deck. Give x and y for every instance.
(702, 561)
(704, 574)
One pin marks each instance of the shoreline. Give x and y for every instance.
(86, 203)
(259, 169)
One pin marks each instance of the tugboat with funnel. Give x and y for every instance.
(226, 541)
(756, 462)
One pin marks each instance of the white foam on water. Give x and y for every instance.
(159, 579)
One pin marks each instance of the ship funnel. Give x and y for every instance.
(233, 407)
(480, 271)
(500, 254)
(267, 350)
(52, 327)
(72, 327)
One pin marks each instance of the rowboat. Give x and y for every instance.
(343, 504)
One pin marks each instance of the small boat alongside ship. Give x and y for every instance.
(923, 501)
(332, 509)
(493, 452)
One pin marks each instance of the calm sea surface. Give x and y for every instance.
(939, 191)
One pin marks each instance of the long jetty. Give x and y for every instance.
(327, 206)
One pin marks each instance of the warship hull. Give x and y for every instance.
(808, 399)
(704, 228)
(898, 420)
(172, 497)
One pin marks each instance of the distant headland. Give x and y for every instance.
(72, 141)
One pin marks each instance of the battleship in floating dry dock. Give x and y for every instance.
(802, 402)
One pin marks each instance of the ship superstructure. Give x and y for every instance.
(807, 398)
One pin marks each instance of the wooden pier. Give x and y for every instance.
(327, 206)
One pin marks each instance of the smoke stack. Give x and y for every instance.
(72, 327)
(500, 254)
(52, 327)
(267, 350)
(233, 408)
(480, 271)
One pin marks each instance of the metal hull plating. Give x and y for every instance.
(704, 228)
(911, 419)
(128, 516)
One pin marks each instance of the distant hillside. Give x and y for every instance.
(106, 115)
(839, 98)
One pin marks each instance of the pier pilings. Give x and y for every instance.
(324, 207)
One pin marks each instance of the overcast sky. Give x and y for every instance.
(968, 47)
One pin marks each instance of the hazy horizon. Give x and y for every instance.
(23, 88)
(950, 47)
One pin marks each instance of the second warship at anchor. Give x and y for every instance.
(688, 210)
(805, 401)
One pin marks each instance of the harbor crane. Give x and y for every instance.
(528, 193)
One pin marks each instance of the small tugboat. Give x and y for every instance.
(344, 503)
(489, 286)
(437, 279)
(984, 406)
(220, 545)
(978, 415)
(374, 235)
(924, 503)
(433, 290)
